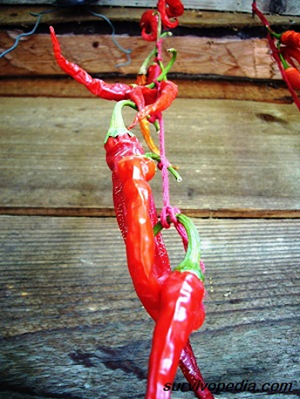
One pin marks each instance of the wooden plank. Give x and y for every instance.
(288, 7)
(244, 156)
(208, 88)
(21, 15)
(231, 56)
(71, 325)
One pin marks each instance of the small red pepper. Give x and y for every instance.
(290, 38)
(166, 11)
(168, 93)
(174, 8)
(149, 26)
(153, 72)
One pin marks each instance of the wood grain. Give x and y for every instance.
(230, 56)
(72, 327)
(288, 7)
(245, 157)
(20, 15)
(193, 87)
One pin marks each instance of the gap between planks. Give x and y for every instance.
(196, 213)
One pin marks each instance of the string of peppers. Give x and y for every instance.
(285, 48)
(173, 298)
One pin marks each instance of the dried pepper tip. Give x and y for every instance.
(170, 168)
(191, 262)
(117, 126)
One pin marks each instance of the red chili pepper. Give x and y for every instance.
(149, 26)
(168, 93)
(121, 143)
(290, 38)
(181, 312)
(289, 53)
(293, 76)
(153, 72)
(107, 91)
(175, 8)
(166, 11)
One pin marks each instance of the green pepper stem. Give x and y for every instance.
(191, 262)
(117, 126)
(274, 34)
(144, 66)
(283, 61)
(170, 168)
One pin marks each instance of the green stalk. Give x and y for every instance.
(191, 262)
(117, 126)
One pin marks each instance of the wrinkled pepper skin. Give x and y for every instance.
(180, 314)
(108, 91)
(134, 173)
(117, 148)
(167, 93)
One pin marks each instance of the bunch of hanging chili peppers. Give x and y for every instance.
(285, 48)
(173, 298)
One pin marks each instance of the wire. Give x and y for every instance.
(39, 15)
(113, 34)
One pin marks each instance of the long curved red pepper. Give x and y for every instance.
(119, 144)
(181, 312)
(140, 95)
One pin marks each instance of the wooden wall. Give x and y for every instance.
(71, 325)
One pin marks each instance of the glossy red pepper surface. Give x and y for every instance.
(149, 26)
(116, 149)
(293, 75)
(180, 314)
(290, 38)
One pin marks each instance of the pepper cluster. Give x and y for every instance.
(285, 49)
(173, 298)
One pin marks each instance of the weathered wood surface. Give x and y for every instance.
(244, 158)
(205, 88)
(232, 56)
(289, 7)
(20, 15)
(72, 327)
